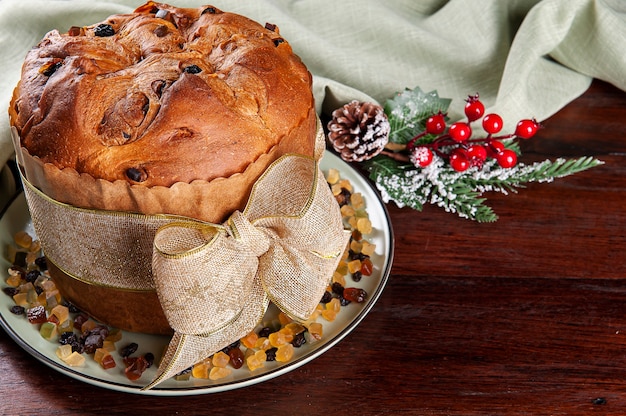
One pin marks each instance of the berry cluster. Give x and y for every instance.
(457, 146)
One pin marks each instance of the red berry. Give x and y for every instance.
(494, 148)
(492, 123)
(460, 132)
(507, 158)
(436, 124)
(421, 156)
(474, 109)
(477, 153)
(526, 128)
(459, 160)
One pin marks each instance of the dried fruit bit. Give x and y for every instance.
(61, 313)
(315, 331)
(367, 267)
(249, 341)
(75, 359)
(364, 225)
(279, 338)
(201, 369)
(236, 357)
(48, 331)
(220, 359)
(128, 350)
(217, 373)
(37, 315)
(183, 375)
(367, 248)
(104, 358)
(354, 294)
(18, 310)
(256, 360)
(283, 318)
(354, 266)
(332, 177)
(64, 351)
(23, 239)
(135, 367)
(284, 353)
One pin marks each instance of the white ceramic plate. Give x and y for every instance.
(16, 218)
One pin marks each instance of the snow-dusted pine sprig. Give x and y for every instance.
(425, 161)
(461, 192)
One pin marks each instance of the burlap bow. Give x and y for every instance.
(214, 281)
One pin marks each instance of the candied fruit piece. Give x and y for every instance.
(329, 315)
(220, 359)
(100, 354)
(183, 376)
(294, 328)
(249, 341)
(354, 294)
(61, 312)
(135, 367)
(201, 369)
(37, 315)
(364, 225)
(284, 353)
(21, 299)
(263, 343)
(63, 351)
(339, 278)
(347, 211)
(354, 266)
(66, 326)
(14, 280)
(217, 373)
(367, 267)
(315, 331)
(283, 318)
(108, 362)
(277, 339)
(334, 305)
(48, 331)
(356, 199)
(333, 176)
(356, 246)
(256, 360)
(368, 248)
(23, 239)
(75, 359)
(345, 184)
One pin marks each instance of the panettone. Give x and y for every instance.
(162, 111)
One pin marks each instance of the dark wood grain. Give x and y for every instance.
(526, 316)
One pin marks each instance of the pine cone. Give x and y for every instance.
(358, 131)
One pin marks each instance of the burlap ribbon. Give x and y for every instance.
(214, 281)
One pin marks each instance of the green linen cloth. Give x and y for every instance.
(526, 58)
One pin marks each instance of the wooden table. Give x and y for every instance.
(523, 316)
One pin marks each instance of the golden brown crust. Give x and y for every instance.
(173, 95)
